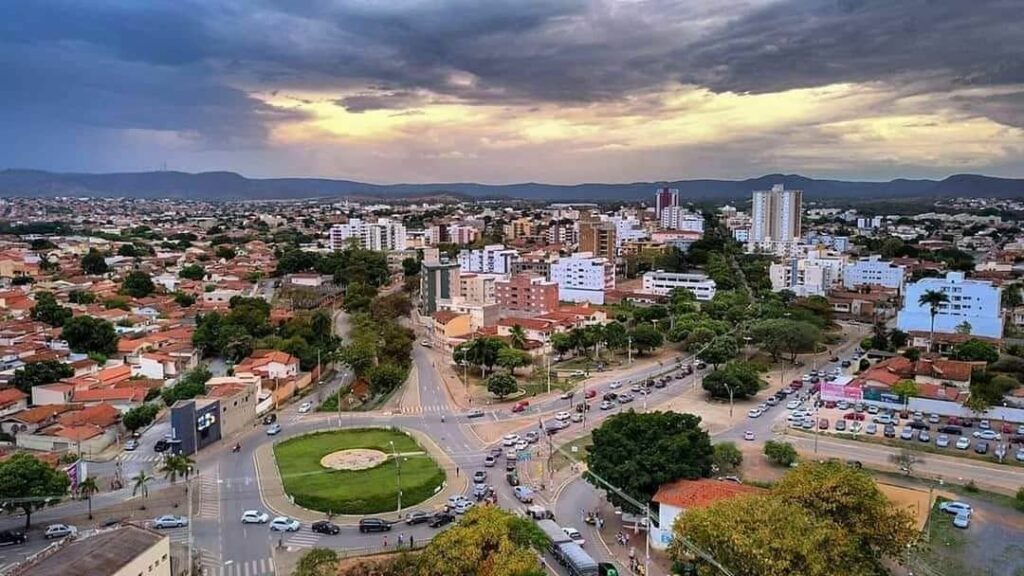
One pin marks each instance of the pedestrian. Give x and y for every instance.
(411, 543)
(385, 542)
(400, 539)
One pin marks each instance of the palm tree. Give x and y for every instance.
(140, 483)
(175, 466)
(517, 337)
(932, 299)
(87, 488)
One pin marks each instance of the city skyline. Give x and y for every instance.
(560, 92)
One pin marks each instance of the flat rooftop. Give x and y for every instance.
(99, 554)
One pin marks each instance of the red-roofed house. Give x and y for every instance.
(12, 400)
(270, 364)
(123, 398)
(677, 497)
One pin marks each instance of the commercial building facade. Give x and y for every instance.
(873, 271)
(660, 282)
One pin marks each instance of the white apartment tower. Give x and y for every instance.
(776, 215)
(382, 235)
(664, 198)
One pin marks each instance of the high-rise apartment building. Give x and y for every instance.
(526, 295)
(491, 259)
(776, 215)
(438, 281)
(679, 218)
(665, 198)
(597, 237)
(583, 278)
(383, 235)
(518, 228)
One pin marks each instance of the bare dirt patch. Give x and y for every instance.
(353, 459)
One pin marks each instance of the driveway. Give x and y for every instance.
(992, 546)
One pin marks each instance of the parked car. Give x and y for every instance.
(889, 431)
(512, 478)
(590, 393)
(981, 448)
(933, 419)
(963, 443)
(574, 535)
(563, 415)
(325, 527)
(907, 433)
(606, 405)
(871, 428)
(273, 430)
(489, 461)
(284, 524)
(523, 494)
(269, 419)
(475, 413)
(754, 413)
(9, 537)
(858, 416)
(60, 531)
(942, 441)
(924, 436)
(577, 417)
(305, 407)
(463, 506)
(986, 434)
(823, 424)
(955, 507)
(520, 406)
(792, 405)
(984, 425)
(170, 521)
(962, 520)
(441, 519)
(510, 439)
(952, 430)
(255, 517)
(840, 425)
(532, 437)
(1019, 456)
(374, 525)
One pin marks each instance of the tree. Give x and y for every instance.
(780, 453)
(27, 484)
(225, 253)
(1018, 501)
(517, 337)
(318, 562)
(719, 351)
(738, 379)
(184, 299)
(88, 488)
(963, 328)
(905, 389)
(87, 334)
(763, 536)
(975, 350)
(410, 267)
(385, 377)
(645, 338)
(177, 465)
(905, 460)
(863, 365)
(140, 485)
(562, 343)
(933, 299)
(49, 311)
(780, 335)
(510, 359)
(898, 338)
(140, 417)
(81, 297)
(137, 285)
(192, 272)
(640, 452)
(850, 499)
(615, 335)
(727, 456)
(1011, 296)
(93, 263)
(480, 351)
(190, 385)
(501, 385)
(42, 372)
(487, 541)
(988, 389)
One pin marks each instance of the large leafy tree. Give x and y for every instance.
(719, 351)
(139, 416)
(487, 541)
(36, 373)
(645, 338)
(137, 285)
(850, 499)
(615, 336)
(975, 350)
(49, 311)
(94, 263)
(27, 484)
(318, 562)
(639, 452)
(501, 384)
(482, 352)
(385, 377)
(764, 536)
(743, 379)
(90, 335)
(510, 359)
(562, 343)
(779, 335)
(192, 272)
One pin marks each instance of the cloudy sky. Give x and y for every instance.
(497, 91)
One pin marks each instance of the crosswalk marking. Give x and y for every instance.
(209, 496)
(302, 540)
(259, 567)
(433, 409)
(139, 457)
(177, 535)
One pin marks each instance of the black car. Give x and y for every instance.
(325, 527)
(582, 407)
(660, 384)
(512, 478)
(160, 446)
(8, 537)
(269, 419)
(954, 430)
(610, 396)
(919, 425)
(441, 519)
(374, 525)
(890, 431)
(418, 517)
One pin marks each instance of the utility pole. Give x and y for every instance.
(398, 472)
(548, 358)
(629, 350)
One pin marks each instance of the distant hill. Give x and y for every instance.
(221, 186)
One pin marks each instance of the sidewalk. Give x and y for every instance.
(272, 493)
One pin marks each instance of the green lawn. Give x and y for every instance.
(355, 492)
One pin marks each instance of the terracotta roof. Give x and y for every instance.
(114, 374)
(133, 394)
(688, 494)
(445, 316)
(102, 415)
(10, 396)
(39, 413)
(77, 433)
(946, 369)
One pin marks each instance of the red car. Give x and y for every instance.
(830, 404)
(859, 416)
(796, 385)
(823, 424)
(520, 406)
(1007, 428)
(590, 393)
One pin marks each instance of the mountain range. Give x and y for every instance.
(230, 186)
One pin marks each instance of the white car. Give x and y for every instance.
(463, 506)
(273, 430)
(454, 501)
(170, 521)
(305, 407)
(60, 531)
(510, 439)
(522, 445)
(749, 435)
(574, 535)
(986, 434)
(615, 385)
(1019, 456)
(255, 517)
(963, 443)
(284, 524)
(792, 405)
(754, 413)
(962, 520)
(942, 441)
(563, 416)
(955, 507)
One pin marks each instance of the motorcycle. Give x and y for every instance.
(236, 448)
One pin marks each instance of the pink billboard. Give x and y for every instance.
(835, 391)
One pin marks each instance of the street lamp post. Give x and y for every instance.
(398, 473)
(629, 350)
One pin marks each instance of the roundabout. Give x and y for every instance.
(356, 471)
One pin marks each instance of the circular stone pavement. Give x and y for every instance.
(353, 459)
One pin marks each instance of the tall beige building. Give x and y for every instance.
(776, 215)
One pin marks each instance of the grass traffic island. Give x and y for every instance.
(327, 471)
